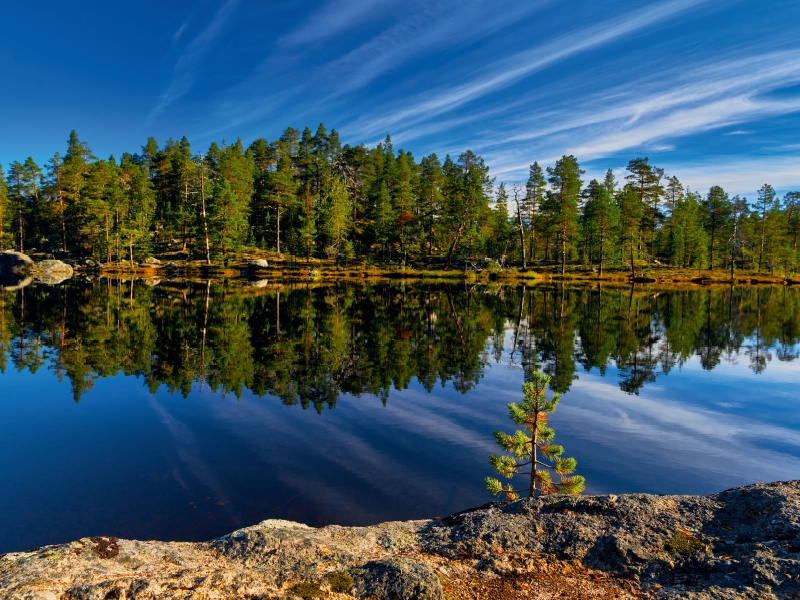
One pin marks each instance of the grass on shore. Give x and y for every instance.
(290, 267)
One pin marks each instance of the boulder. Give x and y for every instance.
(15, 269)
(259, 264)
(152, 261)
(52, 272)
(15, 263)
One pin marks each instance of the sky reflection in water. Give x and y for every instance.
(353, 405)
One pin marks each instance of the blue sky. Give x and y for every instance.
(708, 90)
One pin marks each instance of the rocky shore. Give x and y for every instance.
(18, 270)
(740, 543)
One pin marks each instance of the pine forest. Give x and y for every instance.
(307, 196)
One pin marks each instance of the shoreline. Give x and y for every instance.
(323, 271)
(44, 269)
(740, 543)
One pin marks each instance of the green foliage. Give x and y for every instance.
(340, 582)
(562, 202)
(600, 223)
(683, 543)
(531, 441)
(306, 192)
(308, 590)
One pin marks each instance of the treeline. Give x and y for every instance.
(308, 344)
(308, 195)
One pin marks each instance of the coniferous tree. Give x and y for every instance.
(791, 208)
(531, 446)
(765, 208)
(601, 221)
(501, 227)
(55, 183)
(688, 241)
(430, 197)
(739, 211)
(610, 183)
(33, 186)
(5, 211)
(716, 217)
(630, 220)
(18, 200)
(562, 201)
(138, 207)
(336, 218)
(533, 201)
(646, 180)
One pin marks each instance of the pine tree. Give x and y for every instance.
(138, 208)
(630, 220)
(17, 197)
(5, 212)
(791, 208)
(55, 188)
(562, 201)
(430, 196)
(501, 228)
(764, 207)
(688, 241)
(716, 219)
(601, 221)
(531, 446)
(534, 198)
(33, 187)
(610, 183)
(336, 212)
(739, 212)
(646, 180)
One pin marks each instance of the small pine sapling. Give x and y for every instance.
(531, 446)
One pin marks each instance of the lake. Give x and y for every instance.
(185, 410)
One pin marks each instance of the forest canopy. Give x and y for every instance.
(308, 195)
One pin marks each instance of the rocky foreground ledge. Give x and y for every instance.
(741, 543)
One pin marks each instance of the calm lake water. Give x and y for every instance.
(184, 411)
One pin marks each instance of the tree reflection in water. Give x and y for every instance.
(308, 343)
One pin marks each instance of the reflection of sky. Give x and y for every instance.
(128, 463)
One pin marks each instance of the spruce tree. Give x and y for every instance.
(531, 446)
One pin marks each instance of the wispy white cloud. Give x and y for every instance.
(508, 71)
(184, 71)
(335, 17)
(650, 113)
(420, 29)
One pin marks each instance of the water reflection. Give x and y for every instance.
(188, 423)
(307, 344)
